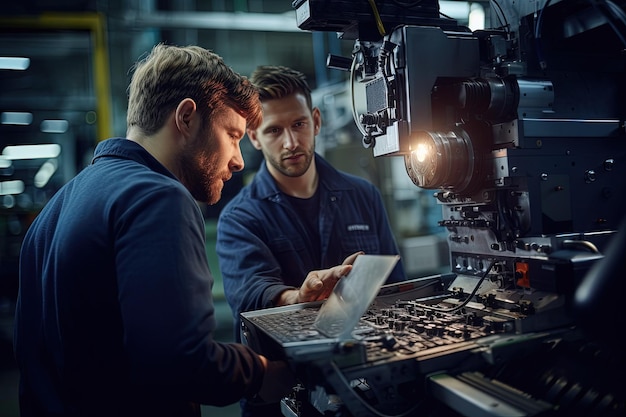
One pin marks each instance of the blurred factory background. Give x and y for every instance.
(64, 70)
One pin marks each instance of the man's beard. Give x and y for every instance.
(291, 171)
(200, 173)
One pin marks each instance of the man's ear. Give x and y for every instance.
(186, 116)
(317, 120)
(253, 139)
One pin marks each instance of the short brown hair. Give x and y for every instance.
(170, 74)
(275, 81)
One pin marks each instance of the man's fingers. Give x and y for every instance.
(342, 270)
(313, 282)
(350, 259)
(319, 284)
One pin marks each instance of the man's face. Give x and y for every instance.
(287, 135)
(210, 158)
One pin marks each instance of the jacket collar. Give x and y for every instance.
(329, 179)
(128, 149)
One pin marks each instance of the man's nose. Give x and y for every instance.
(237, 163)
(289, 141)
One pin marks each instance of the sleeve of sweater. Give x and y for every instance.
(250, 270)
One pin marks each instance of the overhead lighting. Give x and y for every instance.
(11, 187)
(5, 163)
(455, 9)
(476, 17)
(21, 118)
(14, 63)
(54, 126)
(45, 173)
(285, 22)
(14, 152)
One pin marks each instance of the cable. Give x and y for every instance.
(466, 301)
(511, 222)
(379, 22)
(613, 12)
(538, 22)
(581, 243)
(407, 4)
(503, 21)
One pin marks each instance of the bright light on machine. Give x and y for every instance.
(439, 160)
(421, 153)
(423, 163)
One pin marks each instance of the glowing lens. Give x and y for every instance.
(421, 153)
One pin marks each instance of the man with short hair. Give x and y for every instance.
(298, 215)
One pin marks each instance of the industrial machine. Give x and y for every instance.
(519, 130)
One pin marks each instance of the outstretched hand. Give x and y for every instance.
(319, 284)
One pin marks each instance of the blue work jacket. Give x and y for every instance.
(262, 245)
(115, 314)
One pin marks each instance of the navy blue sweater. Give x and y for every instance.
(115, 313)
(264, 246)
